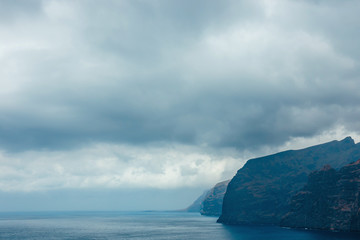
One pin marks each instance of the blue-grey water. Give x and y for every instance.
(142, 225)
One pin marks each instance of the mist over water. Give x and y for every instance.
(142, 225)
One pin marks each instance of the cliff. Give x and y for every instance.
(330, 201)
(210, 202)
(261, 191)
(196, 206)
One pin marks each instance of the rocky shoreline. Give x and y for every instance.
(271, 189)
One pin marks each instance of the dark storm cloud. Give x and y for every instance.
(218, 73)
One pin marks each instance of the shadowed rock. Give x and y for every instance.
(261, 191)
(210, 202)
(330, 201)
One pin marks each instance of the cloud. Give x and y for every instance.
(115, 167)
(87, 87)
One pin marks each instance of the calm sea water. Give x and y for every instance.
(142, 225)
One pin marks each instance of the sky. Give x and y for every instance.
(138, 105)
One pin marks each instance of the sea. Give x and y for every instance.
(144, 226)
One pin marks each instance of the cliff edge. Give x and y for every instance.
(211, 201)
(212, 204)
(261, 191)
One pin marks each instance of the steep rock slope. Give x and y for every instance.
(210, 202)
(196, 206)
(330, 201)
(261, 190)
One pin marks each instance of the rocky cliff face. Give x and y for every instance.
(210, 202)
(330, 200)
(261, 191)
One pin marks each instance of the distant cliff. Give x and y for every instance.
(196, 206)
(330, 200)
(210, 202)
(261, 191)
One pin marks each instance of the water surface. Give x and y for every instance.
(143, 225)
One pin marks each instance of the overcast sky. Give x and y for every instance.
(166, 96)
